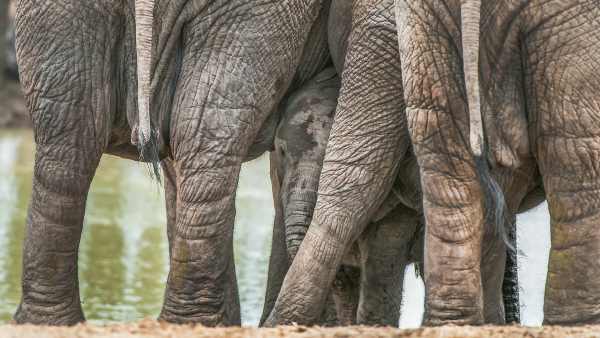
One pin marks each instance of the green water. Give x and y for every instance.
(123, 258)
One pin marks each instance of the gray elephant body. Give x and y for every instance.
(220, 70)
(373, 268)
(538, 64)
(529, 107)
(379, 229)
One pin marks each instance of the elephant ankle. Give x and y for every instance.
(453, 316)
(183, 318)
(578, 314)
(271, 321)
(67, 314)
(207, 313)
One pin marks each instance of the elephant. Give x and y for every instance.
(10, 57)
(469, 179)
(373, 271)
(393, 237)
(196, 85)
(529, 76)
(297, 140)
(470, 193)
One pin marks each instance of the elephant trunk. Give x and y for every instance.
(301, 195)
(144, 136)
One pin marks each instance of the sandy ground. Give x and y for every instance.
(13, 113)
(149, 328)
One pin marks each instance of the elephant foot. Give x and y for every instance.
(271, 321)
(462, 322)
(55, 315)
(440, 314)
(437, 321)
(576, 318)
(193, 314)
(182, 320)
(187, 318)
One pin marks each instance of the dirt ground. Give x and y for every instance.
(149, 328)
(13, 113)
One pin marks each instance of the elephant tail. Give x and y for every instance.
(144, 135)
(471, 18)
(494, 197)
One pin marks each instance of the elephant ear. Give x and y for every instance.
(144, 135)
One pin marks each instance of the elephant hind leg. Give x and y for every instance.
(69, 89)
(209, 143)
(170, 179)
(360, 165)
(279, 260)
(493, 261)
(54, 224)
(346, 294)
(564, 84)
(385, 252)
(201, 286)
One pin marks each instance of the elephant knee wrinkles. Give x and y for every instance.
(324, 248)
(203, 229)
(61, 180)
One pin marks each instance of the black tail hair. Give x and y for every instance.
(149, 154)
(496, 213)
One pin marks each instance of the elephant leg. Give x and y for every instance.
(385, 251)
(329, 317)
(453, 196)
(202, 286)
(170, 179)
(218, 109)
(367, 140)
(299, 148)
(563, 85)
(492, 275)
(279, 260)
(69, 93)
(346, 294)
(54, 224)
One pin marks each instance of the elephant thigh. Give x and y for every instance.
(563, 84)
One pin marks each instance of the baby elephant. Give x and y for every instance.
(375, 266)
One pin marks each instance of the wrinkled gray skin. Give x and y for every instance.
(539, 62)
(531, 134)
(10, 54)
(373, 270)
(296, 162)
(367, 288)
(219, 71)
(383, 250)
(298, 139)
(368, 147)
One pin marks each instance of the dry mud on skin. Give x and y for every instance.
(13, 113)
(151, 329)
